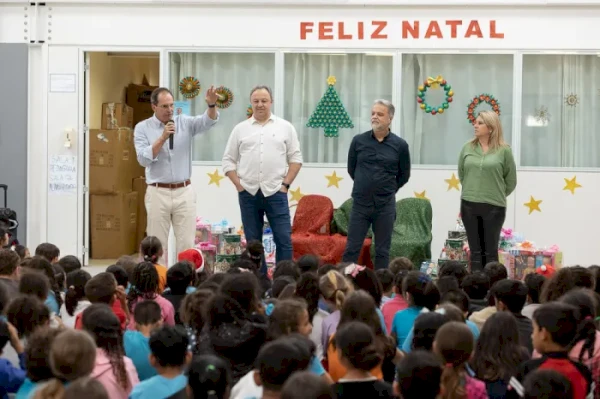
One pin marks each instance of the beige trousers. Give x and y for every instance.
(167, 206)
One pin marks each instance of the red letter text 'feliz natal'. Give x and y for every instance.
(379, 30)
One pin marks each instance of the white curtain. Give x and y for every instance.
(570, 136)
(361, 79)
(437, 139)
(239, 72)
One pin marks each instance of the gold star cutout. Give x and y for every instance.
(571, 185)
(533, 205)
(331, 80)
(296, 195)
(453, 182)
(215, 178)
(421, 194)
(334, 180)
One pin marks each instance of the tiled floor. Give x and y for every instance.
(96, 266)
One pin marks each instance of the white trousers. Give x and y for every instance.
(167, 206)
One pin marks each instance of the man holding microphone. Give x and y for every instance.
(163, 145)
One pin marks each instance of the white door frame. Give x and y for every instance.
(83, 207)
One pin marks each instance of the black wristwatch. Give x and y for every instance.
(211, 105)
(286, 185)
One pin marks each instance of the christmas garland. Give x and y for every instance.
(477, 100)
(435, 83)
(225, 97)
(189, 87)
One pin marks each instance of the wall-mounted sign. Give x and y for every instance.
(405, 29)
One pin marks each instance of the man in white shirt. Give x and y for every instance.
(170, 198)
(262, 159)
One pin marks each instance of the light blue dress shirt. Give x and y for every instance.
(169, 166)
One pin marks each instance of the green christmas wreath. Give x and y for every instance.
(435, 83)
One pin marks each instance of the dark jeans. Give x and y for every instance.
(483, 223)
(254, 208)
(382, 217)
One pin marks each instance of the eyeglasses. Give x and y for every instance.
(166, 106)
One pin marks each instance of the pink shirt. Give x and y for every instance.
(475, 388)
(103, 372)
(167, 310)
(390, 308)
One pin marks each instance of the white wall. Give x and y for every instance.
(566, 220)
(110, 75)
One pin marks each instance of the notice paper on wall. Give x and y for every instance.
(63, 83)
(62, 174)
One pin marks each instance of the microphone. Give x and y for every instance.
(171, 136)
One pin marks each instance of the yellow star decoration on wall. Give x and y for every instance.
(421, 194)
(533, 205)
(296, 195)
(334, 180)
(571, 184)
(453, 182)
(215, 178)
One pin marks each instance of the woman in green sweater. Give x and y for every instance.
(488, 174)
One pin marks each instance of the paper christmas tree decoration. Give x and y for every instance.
(330, 113)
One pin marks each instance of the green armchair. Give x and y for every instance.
(412, 235)
(341, 219)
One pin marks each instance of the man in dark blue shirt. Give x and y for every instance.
(379, 164)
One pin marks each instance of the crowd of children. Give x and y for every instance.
(141, 330)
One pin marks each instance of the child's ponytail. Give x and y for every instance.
(151, 249)
(72, 356)
(209, 377)
(587, 333)
(454, 344)
(452, 382)
(53, 389)
(335, 288)
(144, 283)
(422, 290)
(76, 281)
(584, 300)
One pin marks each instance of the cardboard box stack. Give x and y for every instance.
(138, 98)
(117, 212)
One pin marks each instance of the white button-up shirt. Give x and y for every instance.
(260, 154)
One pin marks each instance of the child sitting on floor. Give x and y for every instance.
(147, 317)
(102, 288)
(170, 355)
(555, 327)
(144, 287)
(152, 251)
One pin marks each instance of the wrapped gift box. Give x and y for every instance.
(457, 235)
(508, 260)
(203, 232)
(269, 245)
(519, 263)
(209, 252)
(231, 245)
(454, 249)
(224, 262)
(525, 263)
(430, 268)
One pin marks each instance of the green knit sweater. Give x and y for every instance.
(487, 178)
